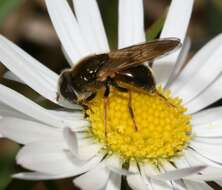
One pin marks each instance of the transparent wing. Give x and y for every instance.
(138, 54)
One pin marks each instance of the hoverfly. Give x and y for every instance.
(119, 69)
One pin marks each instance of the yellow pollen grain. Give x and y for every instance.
(163, 128)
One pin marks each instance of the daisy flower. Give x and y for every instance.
(177, 144)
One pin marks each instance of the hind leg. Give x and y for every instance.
(130, 108)
(105, 100)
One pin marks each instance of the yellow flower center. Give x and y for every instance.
(163, 128)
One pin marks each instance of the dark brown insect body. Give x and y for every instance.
(117, 69)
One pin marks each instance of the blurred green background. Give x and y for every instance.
(26, 22)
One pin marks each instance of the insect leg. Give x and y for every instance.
(130, 108)
(93, 95)
(123, 89)
(118, 87)
(105, 98)
(164, 98)
(85, 106)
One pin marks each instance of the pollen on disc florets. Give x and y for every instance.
(163, 128)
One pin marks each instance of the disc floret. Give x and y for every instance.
(163, 127)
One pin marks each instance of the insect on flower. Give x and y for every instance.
(121, 69)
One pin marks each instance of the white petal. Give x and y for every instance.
(88, 149)
(178, 185)
(150, 169)
(6, 111)
(219, 182)
(78, 147)
(19, 53)
(131, 23)
(208, 174)
(24, 131)
(51, 157)
(93, 179)
(67, 29)
(196, 186)
(161, 185)
(209, 96)
(41, 176)
(67, 114)
(71, 141)
(180, 64)
(212, 129)
(153, 184)
(136, 181)
(91, 25)
(206, 116)
(26, 106)
(166, 166)
(182, 169)
(122, 171)
(212, 152)
(182, 162)
(193, 158)
(9, 75)
(198, 60)
(176, 25)
(114, 182)
(179, 173)
(68, 59)
(114, 163)
(209, 140)
(29, 70)
(45, 157)
(204, 77)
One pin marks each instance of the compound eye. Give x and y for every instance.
(66, 87)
